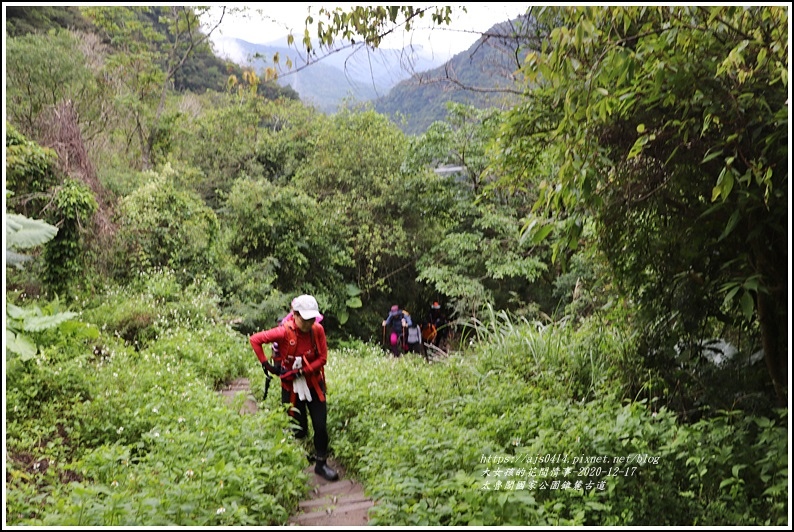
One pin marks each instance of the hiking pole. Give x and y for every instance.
(268, 378)
(269, 370)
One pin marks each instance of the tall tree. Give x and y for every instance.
(151, 45)
(673, 125)
(43, 71)
(354, 169)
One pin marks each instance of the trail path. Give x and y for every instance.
(339, 503)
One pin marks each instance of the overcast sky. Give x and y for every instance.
(277, 19)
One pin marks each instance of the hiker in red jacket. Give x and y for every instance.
(276, 357)
(302, 354)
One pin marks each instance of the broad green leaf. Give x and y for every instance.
(715, 192)
(595, 505)
(751, 284)
(637, 147)
(42, 323)
(23, 232)
(352, 290)
(730, 295)
(541, 233)
(20, 345)
(761, 56)
(17, 313)
(16, 259)
(729, 227)
(710, 156)
(727, 482)
(354, 302)
(747, 305)
(727, 184)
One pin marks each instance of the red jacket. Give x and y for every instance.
(293, 343)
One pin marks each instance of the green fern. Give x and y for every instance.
(20, 321)
(24, 233)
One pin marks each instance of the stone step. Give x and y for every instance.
(338, 503)
(340, 487)
(333, 501)
(353, 512)
(240, 386)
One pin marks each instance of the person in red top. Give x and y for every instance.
(274, 346)
(303, 352)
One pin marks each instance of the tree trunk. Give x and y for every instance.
(144, 142)
(774, 332)
(772, 309)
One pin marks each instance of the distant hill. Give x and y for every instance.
(21, 20)
(409, 86)
(359, 73)
(203, 70)
(482, 76)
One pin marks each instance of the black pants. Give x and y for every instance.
(318, 411)
(415, 348)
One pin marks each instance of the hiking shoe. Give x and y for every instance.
(322, 469)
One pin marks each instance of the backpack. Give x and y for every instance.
(414, 334)
(429, 332)
(280, 353)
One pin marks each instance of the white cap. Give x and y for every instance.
(306, 306)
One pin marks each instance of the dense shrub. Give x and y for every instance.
(102, 434)
(426, 439)
(163, 226)
(533, 430)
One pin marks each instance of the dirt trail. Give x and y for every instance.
(339, 503)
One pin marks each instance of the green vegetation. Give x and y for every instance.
(684, 176)
(610, 249)
(420, 436)
(107, 432)
(112, 433)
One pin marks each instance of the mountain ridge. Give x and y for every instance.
(350, 71)
(405, 85)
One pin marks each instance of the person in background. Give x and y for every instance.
(303, 353)
(413, 336)
(393, 325)
(438, 319)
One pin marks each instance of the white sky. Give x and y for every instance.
(277, 19)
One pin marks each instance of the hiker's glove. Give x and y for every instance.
(290, 375)
(300, 387)
(267, 367)
(298, 364)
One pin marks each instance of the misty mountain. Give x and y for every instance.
(483, 76)
(409, 86)
(352, 72)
